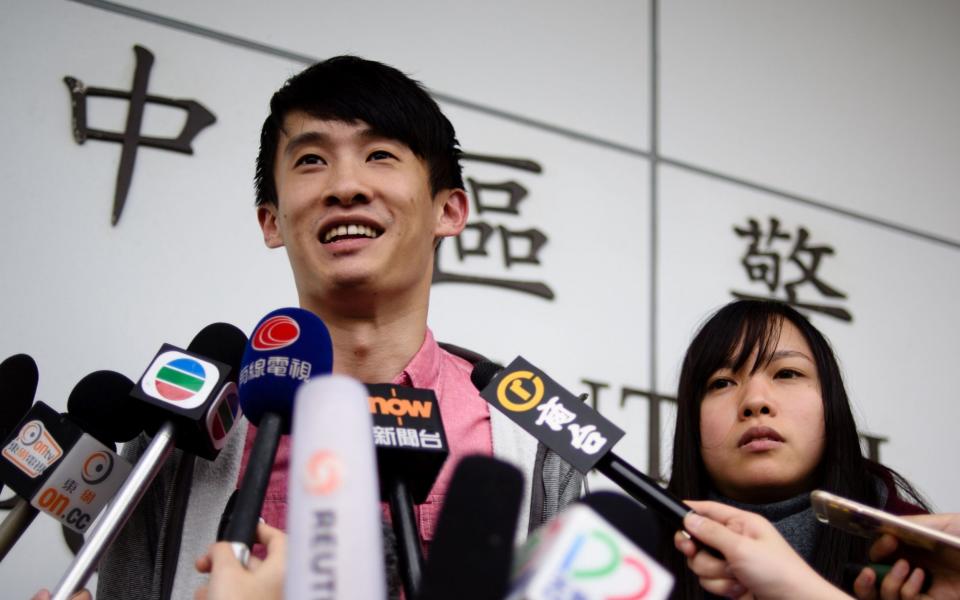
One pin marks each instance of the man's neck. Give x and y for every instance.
(375, 346)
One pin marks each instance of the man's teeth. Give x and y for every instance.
(345, 230)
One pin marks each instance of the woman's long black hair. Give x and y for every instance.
(728, 339)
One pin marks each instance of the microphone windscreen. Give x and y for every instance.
(334, 544)
(101, 405)
(288, 347)
(472, 551)
(635, 521)
(483, 373)
(223, 342)
(18, 384)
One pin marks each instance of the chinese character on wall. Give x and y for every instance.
(497, 231)
(786, 263)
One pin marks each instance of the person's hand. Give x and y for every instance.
(905, 582)
(756, 560)
(259, 581)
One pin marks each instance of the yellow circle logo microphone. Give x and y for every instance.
(514, 394)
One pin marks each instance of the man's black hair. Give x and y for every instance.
(349, 89)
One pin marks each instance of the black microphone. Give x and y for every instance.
(411, 449)
(288, 347)
(191, 402)
(575, 431)
(66, 465)
(472, 551)
(18, 385)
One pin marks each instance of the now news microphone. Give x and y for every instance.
(65, 465)
(191, 402)
(335, 546)
(472, 551)
(288, 346)
(581, 554)
(411, 449)
(576, 432)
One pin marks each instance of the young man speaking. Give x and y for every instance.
(358, 179)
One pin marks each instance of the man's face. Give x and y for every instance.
(355, 209)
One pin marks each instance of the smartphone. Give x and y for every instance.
(870, 522)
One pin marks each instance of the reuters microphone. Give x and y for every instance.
(190, 400)
(581, 555)
(65, 465)
(288, 347)
(334, 544)
(563, 423)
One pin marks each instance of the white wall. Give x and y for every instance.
(838, 118)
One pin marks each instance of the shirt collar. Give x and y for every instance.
(423, 370)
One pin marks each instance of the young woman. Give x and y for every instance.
(762, 420)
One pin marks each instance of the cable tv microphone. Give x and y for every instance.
(411, 449)
(288, 347)
(66, 465)
(472, 550)
(192, 403)
(334, 544)
(580, 554)
(576, 432)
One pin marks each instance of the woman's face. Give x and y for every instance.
(762, 434)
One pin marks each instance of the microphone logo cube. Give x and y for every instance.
(33, 450)
(408, 434)
(179, 379)
(80, 486)
(557, 418)
(580, 555)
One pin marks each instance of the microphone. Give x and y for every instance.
(334, 544)
(581, 555)
(472, 550)
(576, 432)
(411, 449)
(288, 346)
(191, 402)
(18, 385)
(65, 465)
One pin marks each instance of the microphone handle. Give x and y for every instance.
(241, 530)
(408, 538)
(105, 530)
(643, 489)
(17, 521)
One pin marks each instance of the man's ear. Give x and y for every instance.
(453, 210)
(267, 215)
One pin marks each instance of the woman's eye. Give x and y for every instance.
(719, 384)
(380, 155)
(309, 159)
(787, 374)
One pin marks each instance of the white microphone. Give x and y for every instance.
(334, 543)
(581, 555)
